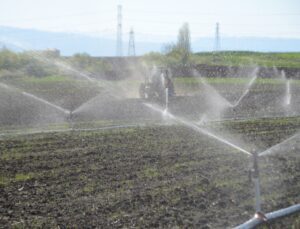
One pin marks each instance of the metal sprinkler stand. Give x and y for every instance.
(255, 176)
(70, 119)
(167, 98)
(259, 217)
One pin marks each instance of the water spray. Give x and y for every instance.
(65, 111)
(36, 98)
(88, 76)
(278, 147)
(46, 60)
(222, 99)
(196, 128)
(254, 172)
(249, 85)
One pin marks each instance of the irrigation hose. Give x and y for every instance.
(256, 221)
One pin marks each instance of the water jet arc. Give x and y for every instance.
(246, 91)
(196, 128)
(26, 94)
(272, 149)
(46, 60)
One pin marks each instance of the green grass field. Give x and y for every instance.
(230, 58)
(229, 80)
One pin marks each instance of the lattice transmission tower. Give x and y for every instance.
(217, 46)
(119, 48)
(131, 45)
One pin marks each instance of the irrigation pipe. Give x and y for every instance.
(254, 222)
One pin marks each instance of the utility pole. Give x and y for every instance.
(131, 45)
(119, 32)
(217, 39)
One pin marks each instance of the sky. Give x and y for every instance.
(157, 20)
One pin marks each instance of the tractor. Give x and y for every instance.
(157, 86)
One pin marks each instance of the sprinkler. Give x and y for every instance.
(254, 174)
(167, 98)
(70, 119)
(169, 89)
(288, 93)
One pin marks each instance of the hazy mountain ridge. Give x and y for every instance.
(70, 43)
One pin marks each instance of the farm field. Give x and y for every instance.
(163, 176)
(119, 102)
(75, 153)
(145, 114)
(229, 58)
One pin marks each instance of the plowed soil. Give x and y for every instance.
(145, 177)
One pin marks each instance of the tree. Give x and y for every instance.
(81, 60)
(184, 39)
(8, 59)
(184, 43)
(181, 51)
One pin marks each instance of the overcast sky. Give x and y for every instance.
(157, 20)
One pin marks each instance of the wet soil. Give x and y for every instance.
(262, 100)
(144, 177)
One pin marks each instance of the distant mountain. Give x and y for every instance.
(70, 43)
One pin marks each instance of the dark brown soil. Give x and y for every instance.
(146, 177)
